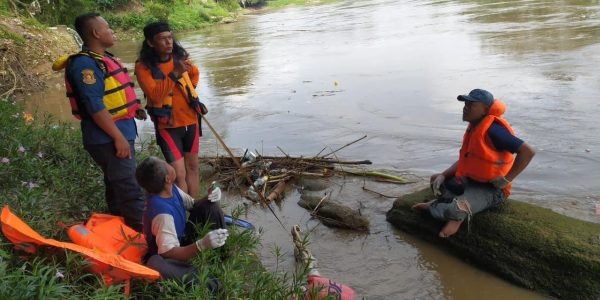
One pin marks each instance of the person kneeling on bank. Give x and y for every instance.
(170, 236)
(482, 176)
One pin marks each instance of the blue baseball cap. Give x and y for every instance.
(478, 95)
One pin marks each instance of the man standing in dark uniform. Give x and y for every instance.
(107, 138)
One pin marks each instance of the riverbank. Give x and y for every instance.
(47, 179)
(28, 49)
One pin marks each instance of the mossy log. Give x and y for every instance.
(333, 214)
(528, 245)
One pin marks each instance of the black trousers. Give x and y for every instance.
(123, 195)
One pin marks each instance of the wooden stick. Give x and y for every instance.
(320, 152)
(319, 204)
(324, 160)
(378, 193)
(338, 149)
(286, 155)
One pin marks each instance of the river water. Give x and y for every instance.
(303, 78)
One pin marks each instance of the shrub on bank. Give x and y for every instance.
(48, 179)
(129, 15)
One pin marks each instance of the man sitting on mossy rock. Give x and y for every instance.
(482, 176)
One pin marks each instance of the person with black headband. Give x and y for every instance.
(168, 79)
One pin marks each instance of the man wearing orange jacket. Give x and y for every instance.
(168, 78)
(482, 176)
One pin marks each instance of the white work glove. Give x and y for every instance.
(436, 184)
(212, 240)
(500, 182)
(214, 194)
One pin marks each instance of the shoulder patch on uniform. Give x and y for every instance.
(88, 76)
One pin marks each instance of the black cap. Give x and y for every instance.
(478, 95)
(155, 28)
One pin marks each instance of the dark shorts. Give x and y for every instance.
(174, 142)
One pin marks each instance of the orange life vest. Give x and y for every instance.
(119, 96)
(162, 113)
(479, 159)
(114, 249)
(325, 288)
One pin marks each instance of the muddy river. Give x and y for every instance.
(304, 78)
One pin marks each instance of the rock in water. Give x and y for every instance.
(312, 184)
(529, 245)
(333, 214)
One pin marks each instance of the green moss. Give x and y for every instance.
(529, 245)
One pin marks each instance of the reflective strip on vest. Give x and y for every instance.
(119, 96)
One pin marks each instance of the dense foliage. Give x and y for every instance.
(127, 14)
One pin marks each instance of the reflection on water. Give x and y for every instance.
(229, 56)
(523, 27)
(307, 77)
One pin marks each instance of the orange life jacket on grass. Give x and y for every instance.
(114, 249)
(119, 96)
(479, 159)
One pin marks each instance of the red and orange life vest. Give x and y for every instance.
(119, 96)
(479, 159)
(162, 113)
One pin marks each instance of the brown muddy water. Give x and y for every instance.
(303, 78)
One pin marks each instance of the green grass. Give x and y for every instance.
(33, 22)
(180, 15)
(7, 34)
(46, 177)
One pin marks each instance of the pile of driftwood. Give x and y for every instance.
(264, 179)
(270, 173)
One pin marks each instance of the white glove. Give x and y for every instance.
(214, 194)
(500, 182)
(212, 240)
(436, 184)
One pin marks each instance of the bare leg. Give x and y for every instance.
(453, 225)
(450, 228)
(192, 174)
(423, 205)
(179, 167)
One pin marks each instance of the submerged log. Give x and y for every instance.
(334, 214)
(528, 245)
